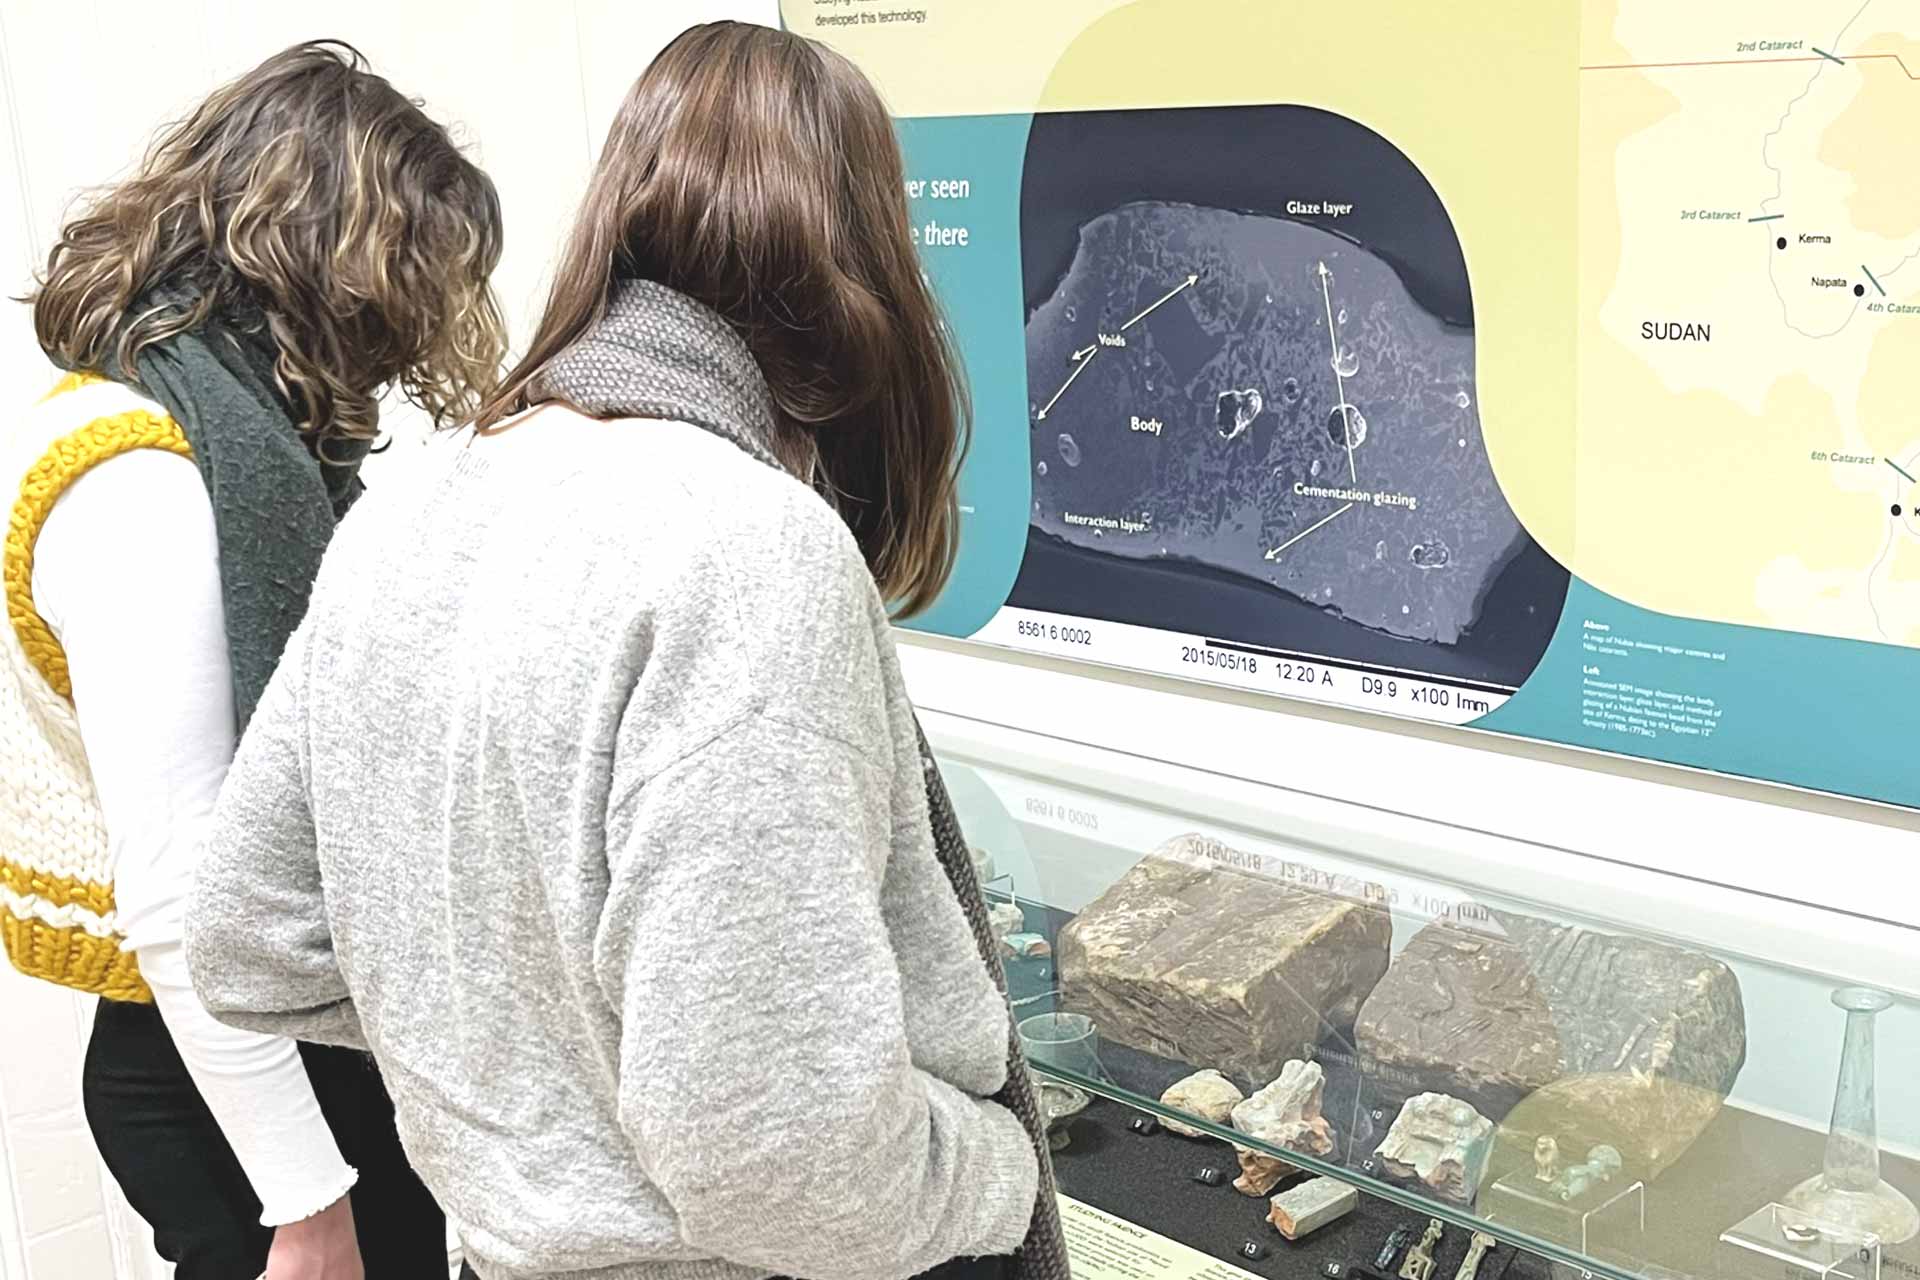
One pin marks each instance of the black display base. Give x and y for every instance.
(1740, 1162)
(1148, 1180)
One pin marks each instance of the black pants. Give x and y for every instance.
(162, 1146)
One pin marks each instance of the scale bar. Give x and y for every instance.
(1364, 668)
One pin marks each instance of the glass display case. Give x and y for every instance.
(1284, 1036)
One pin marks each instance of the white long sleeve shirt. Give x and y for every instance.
(126, 574)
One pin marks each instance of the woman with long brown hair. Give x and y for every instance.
(601, 815)
(227, 318)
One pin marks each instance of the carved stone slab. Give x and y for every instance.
(1206, 1094)
(1194, 956)
(1491, 1019)
(1441, 1142)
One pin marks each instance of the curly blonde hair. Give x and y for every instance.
(312, 201)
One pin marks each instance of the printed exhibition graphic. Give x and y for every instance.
(1551, 372)
(1278, 402)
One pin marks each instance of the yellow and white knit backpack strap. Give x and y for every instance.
(70, 457)
(56, 877)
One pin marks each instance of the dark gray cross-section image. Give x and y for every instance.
(1251, 397)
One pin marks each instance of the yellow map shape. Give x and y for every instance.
(1747, 423)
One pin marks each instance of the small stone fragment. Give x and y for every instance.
(1441, 1141)
(1206, 1094)
(1005, 918)
(1027, 945)
(1287, 1112)
(1260, 1174)
(1300, 1211)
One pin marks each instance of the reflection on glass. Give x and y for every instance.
(1065, 1042)
(1797, 1247)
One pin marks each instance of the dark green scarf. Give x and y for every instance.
(274, 504)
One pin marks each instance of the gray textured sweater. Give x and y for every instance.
(588, 798)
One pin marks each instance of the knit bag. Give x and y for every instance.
(56, 867)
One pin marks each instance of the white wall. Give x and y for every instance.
(54, 1203)
(530, 85)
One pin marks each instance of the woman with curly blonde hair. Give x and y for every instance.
(228, 318)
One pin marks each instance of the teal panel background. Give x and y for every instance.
(979, 287)
(1812, 711)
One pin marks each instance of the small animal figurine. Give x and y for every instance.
(1390, 1248)
(1546, 1158)
(1419, 1263)
(1601, 1164)
(1477, 1249)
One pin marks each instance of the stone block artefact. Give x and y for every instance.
(1195, 956)
(1518, 1005)
(1300, 1211)
(1441, 1142)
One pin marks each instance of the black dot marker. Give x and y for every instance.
(1781, 243)
(1859, 291)
(1896, 508)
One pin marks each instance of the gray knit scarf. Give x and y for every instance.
(659, 354)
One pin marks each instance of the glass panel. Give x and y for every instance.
(1630, 1103)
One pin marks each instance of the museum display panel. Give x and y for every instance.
(1297, 1038)
(1536, 368)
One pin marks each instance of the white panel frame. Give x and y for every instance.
(1546, 819)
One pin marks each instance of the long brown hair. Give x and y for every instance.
(308, 198)
(757, 172)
